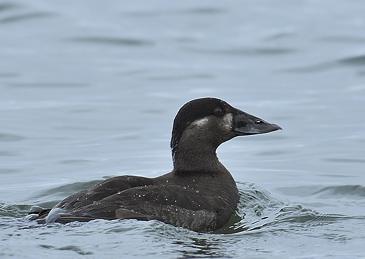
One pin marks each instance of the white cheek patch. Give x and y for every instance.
(227, 122)
(200, 123)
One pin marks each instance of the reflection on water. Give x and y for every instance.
(201, 247)
(90, 89)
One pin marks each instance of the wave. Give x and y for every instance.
(258, 210)
(342, 190)
(357, 61)
(333, 191)
(7, 210)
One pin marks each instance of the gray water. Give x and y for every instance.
(89, 89)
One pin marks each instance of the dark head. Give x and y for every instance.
(203, 124)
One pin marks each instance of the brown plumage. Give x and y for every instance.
(199, 193)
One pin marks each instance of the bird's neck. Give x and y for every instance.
(196, 158)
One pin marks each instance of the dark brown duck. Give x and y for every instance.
(199, 193)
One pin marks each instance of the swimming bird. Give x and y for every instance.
(199, 193)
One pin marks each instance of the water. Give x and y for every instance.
(89, 89)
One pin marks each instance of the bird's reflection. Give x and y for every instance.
(202, 248)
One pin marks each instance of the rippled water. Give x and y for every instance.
(89, 89)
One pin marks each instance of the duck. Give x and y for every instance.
(199, 193)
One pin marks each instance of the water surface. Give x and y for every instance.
(89, 89)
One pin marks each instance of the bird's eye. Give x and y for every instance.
(218, 112)
(259, 122)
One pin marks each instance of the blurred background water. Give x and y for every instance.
(89, 89)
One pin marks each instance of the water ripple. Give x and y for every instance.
(205, 10)
(7, 153)
(67, 189)
(113, 41)
(8, 75)
(8, 170)
(8, 137)
(181, 77)
(75, 161)
(345, 160)
(247, 51)
(48, 84)
(7, 6)
(279, 35)
(358, 60)
(343, 39)
(342, 190)
(258, 210)
(73, 248)
(25, 17)
(7, 210)
(325, 191)
(353, 61)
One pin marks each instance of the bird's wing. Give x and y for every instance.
(171, 204)
(102, 190)
(96, 193)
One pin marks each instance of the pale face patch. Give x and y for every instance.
(200, 123)
(227, 122)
